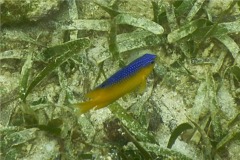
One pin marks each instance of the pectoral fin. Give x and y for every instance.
(142, 86)
(85, 106)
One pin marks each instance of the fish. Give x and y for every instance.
(125, 80)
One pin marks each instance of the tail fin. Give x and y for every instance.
(85, 106)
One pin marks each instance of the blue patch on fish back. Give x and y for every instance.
(129, 70)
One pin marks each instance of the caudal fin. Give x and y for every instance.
(85, 106)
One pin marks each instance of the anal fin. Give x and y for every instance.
(94, 93)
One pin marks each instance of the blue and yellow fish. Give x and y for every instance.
(125, 80)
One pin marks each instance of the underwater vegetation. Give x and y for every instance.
(55, 52)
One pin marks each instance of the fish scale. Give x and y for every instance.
(129, 70)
